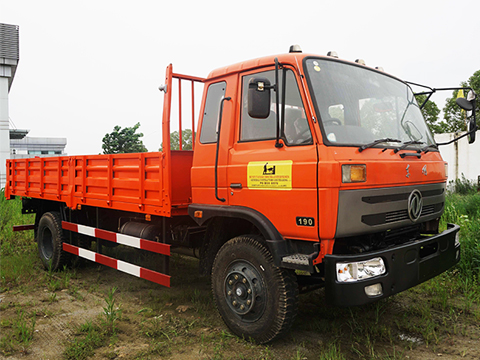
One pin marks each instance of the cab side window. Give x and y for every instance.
(215, 94)
(295, 127)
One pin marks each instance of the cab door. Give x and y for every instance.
(279, 182)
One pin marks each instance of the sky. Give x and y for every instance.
(86, 66)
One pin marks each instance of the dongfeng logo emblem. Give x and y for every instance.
(424, 170)
(415, 205)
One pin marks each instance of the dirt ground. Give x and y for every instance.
(182, 323)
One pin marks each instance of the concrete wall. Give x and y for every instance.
(462, 157)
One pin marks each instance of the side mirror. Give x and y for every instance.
(472, 128)
(464, 104)
(259, 98)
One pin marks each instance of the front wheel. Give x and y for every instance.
(256, 299)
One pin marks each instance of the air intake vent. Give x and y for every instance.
(394, 216)
(9, 42)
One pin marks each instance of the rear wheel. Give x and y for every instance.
(256, 299)
(49, 240)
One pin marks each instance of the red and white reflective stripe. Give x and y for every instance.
(118, 238)
(128, 268)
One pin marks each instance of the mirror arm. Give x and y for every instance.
(426, 100)
(458, 138)
(434, 90)
(424, 86)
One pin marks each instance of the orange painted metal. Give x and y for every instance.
(131, 182)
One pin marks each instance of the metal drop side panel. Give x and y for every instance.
(131, 182)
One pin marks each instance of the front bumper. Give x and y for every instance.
(406, 266)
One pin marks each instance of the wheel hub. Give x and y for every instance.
(244, 290)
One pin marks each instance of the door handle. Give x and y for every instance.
(236, 186)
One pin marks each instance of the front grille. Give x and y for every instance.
(394, 216)
(368, 211)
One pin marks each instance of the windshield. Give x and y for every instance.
(359, 106)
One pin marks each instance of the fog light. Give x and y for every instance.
(458, 254)
(360, 270)
(374, 290)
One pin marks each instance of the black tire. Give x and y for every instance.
(49, 240)
(257, 300)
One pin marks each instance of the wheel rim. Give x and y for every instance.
(47, 243)
(245, 292)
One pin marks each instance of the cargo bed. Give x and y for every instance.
(137, 182)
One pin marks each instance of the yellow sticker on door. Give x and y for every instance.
(275, 175)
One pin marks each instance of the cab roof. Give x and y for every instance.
(295, 59)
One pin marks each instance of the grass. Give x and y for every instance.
(17, 251)
(17, 333)
(11, 214)
(464, 210)
(93, 335)
(423, 320)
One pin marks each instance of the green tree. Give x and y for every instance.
(454, 117)
(124, 140)
(174, 140)
(430, 112)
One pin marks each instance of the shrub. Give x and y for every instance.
(463, 186)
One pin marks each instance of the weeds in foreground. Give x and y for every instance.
(332, 352)
(17, 333)
(111, 312)
(95, 335)
(91, 337)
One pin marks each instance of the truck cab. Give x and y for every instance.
(331, 163)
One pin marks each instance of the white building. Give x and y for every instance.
(22, 146)
(9, 55)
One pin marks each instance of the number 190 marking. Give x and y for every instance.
(305, 221)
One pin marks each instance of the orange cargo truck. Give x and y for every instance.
(306, 171)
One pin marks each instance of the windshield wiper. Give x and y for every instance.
(376, 142)
(428, 148)
(405, 144)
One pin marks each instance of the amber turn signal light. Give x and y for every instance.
(354, 173)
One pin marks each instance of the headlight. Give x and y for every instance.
(457, 238)
(446, 170)
(354, 173)
(360, 270)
